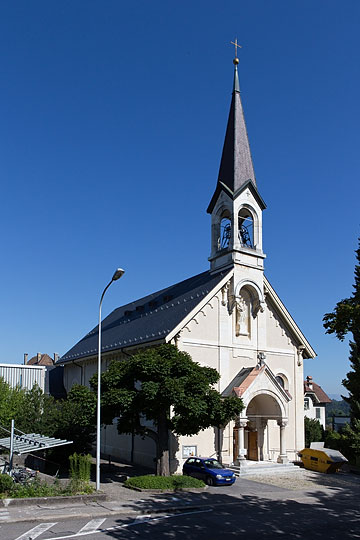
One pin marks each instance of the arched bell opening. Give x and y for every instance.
(246, 228)
(224, 231)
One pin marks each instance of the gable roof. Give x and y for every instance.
(148, 319)
(318, 391)
(45, 360)
(288, 320)
(244, 379)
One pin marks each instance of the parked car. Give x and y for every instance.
(209, 470)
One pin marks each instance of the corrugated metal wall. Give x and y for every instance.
(23, 376)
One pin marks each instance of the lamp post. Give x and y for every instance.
(117, 275)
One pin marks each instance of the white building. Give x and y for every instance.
(229, 317)
(315, 401)
(23, 376)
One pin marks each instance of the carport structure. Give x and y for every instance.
(26, 443)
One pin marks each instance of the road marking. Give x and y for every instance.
(36, 531)
(92, 525)
(139, 520)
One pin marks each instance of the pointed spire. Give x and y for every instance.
(236, 167)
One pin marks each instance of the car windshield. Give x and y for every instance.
(213, 464)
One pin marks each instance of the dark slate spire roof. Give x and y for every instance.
(146, 320)
(236, 166)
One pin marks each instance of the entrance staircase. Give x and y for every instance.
(250, 468)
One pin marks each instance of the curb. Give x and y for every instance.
(68, 499)
(157, 491)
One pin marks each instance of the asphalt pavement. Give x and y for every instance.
(338, 503)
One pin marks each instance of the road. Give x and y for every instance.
(317, 518)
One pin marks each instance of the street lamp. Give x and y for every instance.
(117, 275)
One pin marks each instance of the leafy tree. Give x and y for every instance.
(313, 431)
(35, 412)
(76, 420)
(165, 386)
(345, 319)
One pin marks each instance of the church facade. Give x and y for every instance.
(229, 318)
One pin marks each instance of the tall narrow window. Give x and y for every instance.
(225, 233)
(246, 228)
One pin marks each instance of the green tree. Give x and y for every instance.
(344, 320)
(76, 420)
(313, 431)
(164, 385)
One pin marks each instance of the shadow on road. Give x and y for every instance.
(334, 515)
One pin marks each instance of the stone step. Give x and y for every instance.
(253, 468)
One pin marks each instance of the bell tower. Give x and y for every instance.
(236, 206)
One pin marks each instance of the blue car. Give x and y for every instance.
(209, 470)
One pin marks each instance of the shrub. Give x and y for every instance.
(313, 431)
(6, 483)
(80, 467)
(173, 483)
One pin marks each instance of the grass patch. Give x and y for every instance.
(37, 488)
(166, 483)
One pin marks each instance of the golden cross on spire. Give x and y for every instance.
(236, 60)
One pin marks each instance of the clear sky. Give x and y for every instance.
(113, 117)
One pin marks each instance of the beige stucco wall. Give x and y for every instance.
(209, 337)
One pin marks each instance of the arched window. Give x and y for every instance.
(280, 380)
(246, 228)
(225, 233)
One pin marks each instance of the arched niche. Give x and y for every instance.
(256, 295)
(243, 314)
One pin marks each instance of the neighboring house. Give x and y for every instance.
(41, 360)
(228, 317)
(315, 401)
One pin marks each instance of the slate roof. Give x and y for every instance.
(318, 391)
(148, 319)
(236, 166)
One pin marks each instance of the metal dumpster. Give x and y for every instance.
(322, 460)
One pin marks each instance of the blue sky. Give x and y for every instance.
(113, 116)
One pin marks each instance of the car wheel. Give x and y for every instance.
(210, 481)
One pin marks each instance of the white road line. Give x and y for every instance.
(92, 525)
(36, 531)
(141, 519)
(137, 521)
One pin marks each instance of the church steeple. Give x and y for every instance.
(236, 167)
(236, 205)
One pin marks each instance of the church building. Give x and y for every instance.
(229, 318)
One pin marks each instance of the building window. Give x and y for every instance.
(280, 380)
(318, 413)
(306, 404)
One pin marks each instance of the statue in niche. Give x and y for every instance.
(242, 311)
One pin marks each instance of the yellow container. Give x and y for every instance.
(323, 460)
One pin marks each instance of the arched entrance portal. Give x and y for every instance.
(257, 436)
